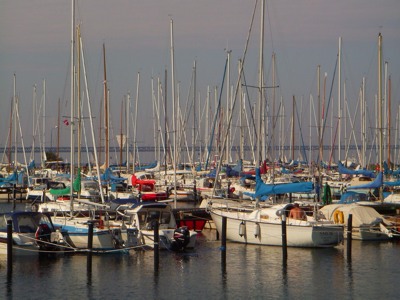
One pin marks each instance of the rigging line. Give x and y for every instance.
(250, 106)
(274, 123)
(327, 107)
(352, 134)
(216, 116)
(333, 143)
(270, 26)
(301, 133)
(235, 99)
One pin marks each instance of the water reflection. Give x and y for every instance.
(243, 271)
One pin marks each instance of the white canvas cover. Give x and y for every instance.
(362, 215)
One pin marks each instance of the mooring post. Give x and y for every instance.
(90, 246)
(90, 236)
(284, 237)
(349, 235)
(223, 245)
(223, 234)
(156, 246)
(9, 246)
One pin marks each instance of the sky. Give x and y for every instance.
(35, 46)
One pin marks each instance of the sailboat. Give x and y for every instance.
(262, 225)
(72, 223)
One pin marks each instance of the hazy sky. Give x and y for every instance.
(35, 45)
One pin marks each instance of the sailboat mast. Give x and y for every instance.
(15, 121)
(174, 126)
(241, 115)
(293, 116)
(228, 104)
(389, 118)
(260, 139)
(340, 99)
(135, 123)
(44, 121)
(72, 154)
(380, 109)
(194, 114)
(78, 88)
(106, 121)
(121, 142)
(33, 122)
(58, 132)
(363, 124)
(128, 108)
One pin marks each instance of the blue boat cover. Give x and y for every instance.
(372, 185)
(263, 189)
(343, 170)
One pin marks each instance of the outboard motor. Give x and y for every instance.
(181, 238)
(118, 242)
(43, 233)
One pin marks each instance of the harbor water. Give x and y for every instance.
(247, 272)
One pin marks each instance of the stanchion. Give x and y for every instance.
(195, 191)
(156, 246)
(9, 246)
(284, 237)
(349, 235)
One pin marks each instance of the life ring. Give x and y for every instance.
(338, 217)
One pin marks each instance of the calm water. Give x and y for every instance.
(250, 272)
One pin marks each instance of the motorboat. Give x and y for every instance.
(32, 232)
(143, 216)
(107, 236)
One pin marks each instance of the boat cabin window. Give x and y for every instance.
(3, 223)
(147, 187)
(56, 185)
(153, 216)
(165, 218)
(90, 185)
(40, 187)
(27, 224)
(142, 218)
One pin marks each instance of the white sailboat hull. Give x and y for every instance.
(260, 232)
(76, 231)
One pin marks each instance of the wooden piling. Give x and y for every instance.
(9, 246)
(90, 247)
(156, 247)
(284, 237)
(223, 234)
(223, 245)
(349, 235)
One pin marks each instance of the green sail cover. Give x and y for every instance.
(60, 192)
(76, 184)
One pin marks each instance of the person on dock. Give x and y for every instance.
(297, 213)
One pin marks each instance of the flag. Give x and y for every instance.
(66, 122)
